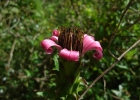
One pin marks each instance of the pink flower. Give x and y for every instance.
(72, 43)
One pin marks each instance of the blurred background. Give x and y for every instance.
(24, 66)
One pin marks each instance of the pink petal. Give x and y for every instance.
(47, 44)
(55, 33)
(90, 44)
(54, 38)
(69, 55)
(98, 54)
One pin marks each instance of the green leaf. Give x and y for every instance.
(15, 10)
(28, 73)
(56, 62)
(130, 54)
(122, 66)
(117, 93)
(40, 94)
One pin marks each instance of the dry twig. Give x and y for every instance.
(11, 53)
(116, 29)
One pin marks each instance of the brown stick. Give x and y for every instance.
(116, 29)
(11, 53)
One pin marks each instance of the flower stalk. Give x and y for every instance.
(70, 78)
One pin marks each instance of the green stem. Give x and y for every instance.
(69, 76)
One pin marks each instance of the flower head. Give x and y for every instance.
(71, 43)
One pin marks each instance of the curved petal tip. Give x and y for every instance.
(55, 32)
(54, 38)
(90, 44)
(98, 55)
(47, 45)
(69, 55)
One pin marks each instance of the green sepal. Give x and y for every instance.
(70, 68)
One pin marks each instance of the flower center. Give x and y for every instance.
(71, 38)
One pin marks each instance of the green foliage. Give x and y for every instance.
(25, 68)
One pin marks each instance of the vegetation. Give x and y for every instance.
(25, 68)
